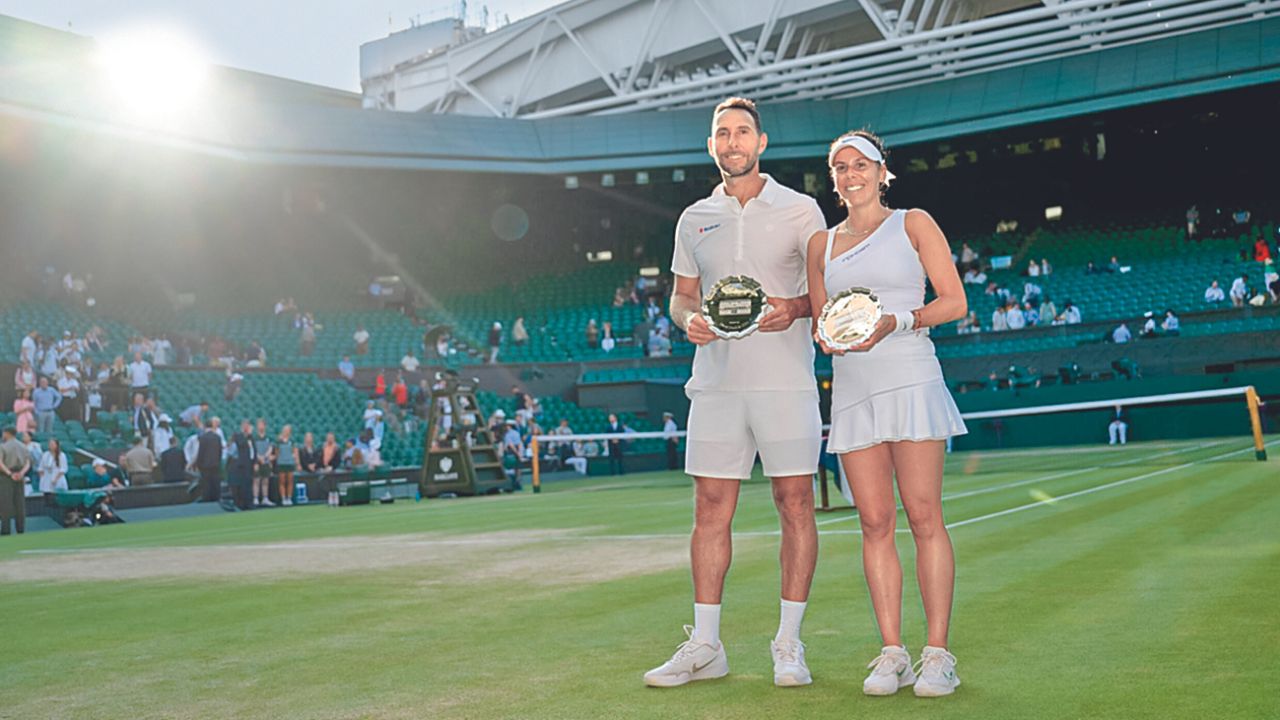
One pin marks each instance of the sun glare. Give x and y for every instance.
(152, 72)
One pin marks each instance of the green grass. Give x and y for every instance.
(1155, 598)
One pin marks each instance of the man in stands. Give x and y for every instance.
(1239, 291)
(139, 374)
(1214, 294)
(1121, 334)
(756, 394)
(139, 463)
(193, 415)
(409, 363)
(361, 337)
(347, 369)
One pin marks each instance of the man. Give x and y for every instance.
(209, 463)
(139, 374)
(139, 463)
(15, 461)
(753, 394)
(193, 415)
(409, 363)
(143, 420)
(1121, 334)
(1119, 427)
(173, 463)
(241, 462)
(512, 450)
(1239, 290)
(347, 369)
(617, 446)
(673, 442)
(361, 337)
(46, 400)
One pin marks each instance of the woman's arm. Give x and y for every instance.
(935, 255)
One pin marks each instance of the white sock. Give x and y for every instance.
(706, 624)
(789, 625)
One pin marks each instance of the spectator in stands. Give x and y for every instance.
(361, 338)
(1257, 297)
(969, 324)
(593, 334)
(1031, 293)
(1033, 269)
(1193, 221)
(1070, 314)
(27, 350)
(380, 385)
(103, 477)
(619, 297)
(46, 401)
(119, 371)
(1239, 291)
(975, 276)
(1148, 327)
(1114, 265)
(495, 341)
(1121, 334)
(400, 392)
(69, 388)
(173, 463)
(1014, 318)
(1045, 267)
(24, 378)
(161, 351)
(139, 374)
(15, 463)
(235, 381)
(1172, 326)
(606, 340)
(193, 416)
(1048, 311)
(617, 446)
(285, 452)
(48, 359)
(999, 319)
(409, 363)
(161, 435)
(1091, 269)
(651, 309)
(139, 463)
(519, 335)
(967, 255)
(372, 415)
(1213, 294)
(1031, 315)
(1119, 427)
(24, 412)
(53, 468)
(659, 344)
(347, 369)
(262, 466)
(512, 449)
(307, 339)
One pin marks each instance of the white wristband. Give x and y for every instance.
(906, 323)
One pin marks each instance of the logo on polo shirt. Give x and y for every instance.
(708, 228)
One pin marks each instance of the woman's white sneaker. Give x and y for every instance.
(889, 671)
(789, 668)
(692, 661)
(937, 673)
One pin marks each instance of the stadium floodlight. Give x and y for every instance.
(651, 271)
(152, 72)
(600, 256)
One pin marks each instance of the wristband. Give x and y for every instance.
(906, 323)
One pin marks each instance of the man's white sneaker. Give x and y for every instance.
(692, 661)
(889, 671)
(268, 503)
(937, 673)
(789, 669)
(287, 502)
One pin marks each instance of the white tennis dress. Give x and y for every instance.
(895, 390)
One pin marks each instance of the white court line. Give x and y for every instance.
(1046, 478)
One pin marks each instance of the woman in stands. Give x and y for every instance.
(891, 411)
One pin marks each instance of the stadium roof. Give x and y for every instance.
(48, 78)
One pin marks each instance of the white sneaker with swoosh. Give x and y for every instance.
(692, 661)
(937, 673)
(789, 668)
(889, 671)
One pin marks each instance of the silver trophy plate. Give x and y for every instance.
(733, 307)
(849, 318)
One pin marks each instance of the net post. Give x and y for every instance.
(822, 486)
(537, 476)
(1259, 449)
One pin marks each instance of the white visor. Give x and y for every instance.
(864, 146)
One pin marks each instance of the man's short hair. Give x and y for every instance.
(11, 431)
(743, 104)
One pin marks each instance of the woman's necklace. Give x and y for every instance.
(844, 226)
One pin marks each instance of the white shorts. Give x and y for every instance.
(727, 429)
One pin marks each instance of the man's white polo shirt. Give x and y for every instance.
(767, 240)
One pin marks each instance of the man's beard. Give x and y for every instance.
(746, 170)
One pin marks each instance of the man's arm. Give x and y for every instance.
(686, 310)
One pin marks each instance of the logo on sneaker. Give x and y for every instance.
(703, 666)
(900, 672)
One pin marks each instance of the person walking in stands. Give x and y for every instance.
(361, 337)
(495, 342)
(15, 462)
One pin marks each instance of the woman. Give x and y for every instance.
(53, 468)
(286, 454)
(330, 454)
(24, 411)
(891, 412)
(309, 454)
(24, 378)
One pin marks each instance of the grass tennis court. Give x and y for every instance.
(1131, 582)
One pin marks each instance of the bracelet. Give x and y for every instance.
(919, 321)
